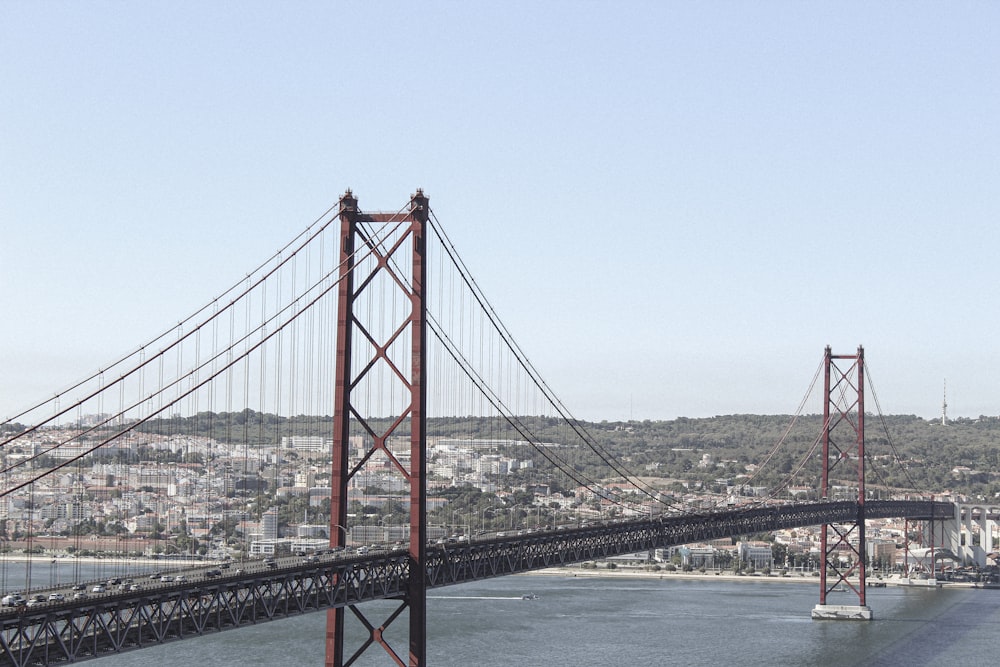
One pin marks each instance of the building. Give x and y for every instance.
(697, 556)
(307, 443)
(881, 553)
(269, 525)
(755, 554)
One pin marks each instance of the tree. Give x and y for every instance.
(779, 553)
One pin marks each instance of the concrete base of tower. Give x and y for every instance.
(841, 612)
(907, 581)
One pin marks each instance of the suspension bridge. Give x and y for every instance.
(345, 345)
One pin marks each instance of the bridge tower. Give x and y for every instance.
(844, 561)
(392, 350)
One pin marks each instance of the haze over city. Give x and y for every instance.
(673, 207)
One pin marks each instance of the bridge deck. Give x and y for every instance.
(70, 631)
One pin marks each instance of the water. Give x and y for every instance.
(585, 621)
(48, 573)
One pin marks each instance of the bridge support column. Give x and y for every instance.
(383, 402)
(951, 534)
(845, 555)
(971, 519)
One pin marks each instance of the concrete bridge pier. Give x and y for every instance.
(970, 520)
(842, 612)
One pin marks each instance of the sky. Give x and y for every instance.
(674, 206)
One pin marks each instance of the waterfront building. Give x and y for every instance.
(757, 554)
(697, 556)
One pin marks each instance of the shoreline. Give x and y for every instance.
(567, 571)
(728, 576)
(626, 573)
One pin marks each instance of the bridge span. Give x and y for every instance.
(69, 631)
(350, 315)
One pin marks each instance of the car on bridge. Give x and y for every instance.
(12, 600)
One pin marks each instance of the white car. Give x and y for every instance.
(99, 588)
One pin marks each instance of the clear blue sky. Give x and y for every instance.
(674, 206)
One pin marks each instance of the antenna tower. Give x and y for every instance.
(944, 405)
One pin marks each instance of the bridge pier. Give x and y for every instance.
(970, 519)
(842, 612)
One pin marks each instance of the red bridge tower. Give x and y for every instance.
(392, 260)
(844, 552)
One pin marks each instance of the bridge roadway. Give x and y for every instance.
(60, 632)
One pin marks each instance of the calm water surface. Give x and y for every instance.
(616, 621)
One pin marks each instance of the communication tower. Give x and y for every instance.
(944, 405)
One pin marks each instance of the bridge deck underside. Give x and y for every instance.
(74, 631)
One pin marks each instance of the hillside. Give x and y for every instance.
(904, 451)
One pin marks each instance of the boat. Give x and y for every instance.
(529, 596)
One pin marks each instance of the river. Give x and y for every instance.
(625, 621)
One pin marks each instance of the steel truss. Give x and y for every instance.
(462, 563)
(75, 631)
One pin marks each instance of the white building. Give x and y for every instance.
(757, 554)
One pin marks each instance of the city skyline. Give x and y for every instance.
(673, 208)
